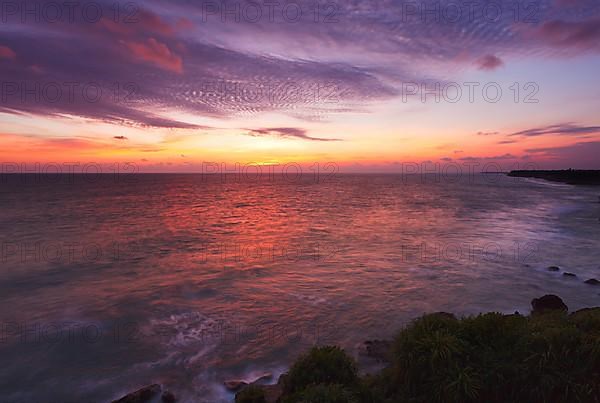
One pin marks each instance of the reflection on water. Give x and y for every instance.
(190, 280)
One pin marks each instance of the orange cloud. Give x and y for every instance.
(156, 53)
(45, 149)
(7, 53)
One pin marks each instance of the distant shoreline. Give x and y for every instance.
(570, 176)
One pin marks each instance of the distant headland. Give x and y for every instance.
(570, 176)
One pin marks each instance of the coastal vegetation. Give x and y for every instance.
(547, 356)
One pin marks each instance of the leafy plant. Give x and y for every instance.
(322, 365)
(547, 357)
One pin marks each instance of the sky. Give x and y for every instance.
(368, 86)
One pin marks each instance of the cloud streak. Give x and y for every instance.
(582, 155)
(173, 53)
(567, 129)
(286, 132)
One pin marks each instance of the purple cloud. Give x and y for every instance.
(176, 58)
(582, 155)
(506, 156)
(580, 34)
(570, 129)
(286, 132)
(489, 63)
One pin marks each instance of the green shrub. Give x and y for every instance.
(321, 365)
(250, 394)
(496, 358)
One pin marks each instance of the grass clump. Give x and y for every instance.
(495, 358)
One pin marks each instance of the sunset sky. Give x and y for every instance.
(170, 85)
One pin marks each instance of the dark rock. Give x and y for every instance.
(553, 268)
(282, 379)
(548, 303)
(592, 281)
(143, 395)
(272, 393)
(235, 385)
(267, 376)
(251, 394)
(567, 274)
(168, 397)
(380, 350)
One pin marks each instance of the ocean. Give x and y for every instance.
(111, 283)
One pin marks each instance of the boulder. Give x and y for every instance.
(548, 303)
(567, 274)
(267, 376)
(168, 397)
(553, 268)
(144, 395)
(272, 393)
(235, 385)
(592, 281)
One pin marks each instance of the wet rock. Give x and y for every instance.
(267, 376)
(235, 385)
(250, 394)
(168, 397)
(272, 393)
(567, 274)
(592, 281)
(143, 395)
(553, 268)
(548, 303)
(380, 350)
